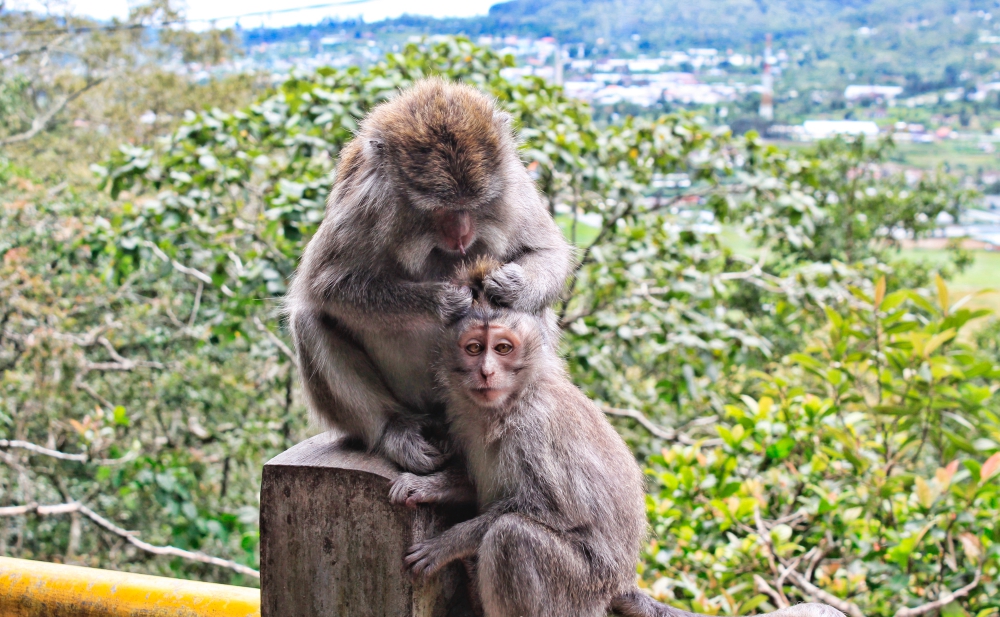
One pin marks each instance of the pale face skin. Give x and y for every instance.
(490, 358)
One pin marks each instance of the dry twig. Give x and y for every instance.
(128, 536)
(43, 121)
(763, 587)
(30, 447)
(280, 344)
(658, 431)
(945, 598)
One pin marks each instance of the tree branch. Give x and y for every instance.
(762, 586)
(81, 457)
(816, 593)
(945, 598)
(129, 536)
(198, 274)
(30, 447)
(658, 431)
(280, 344)
(42, 122)
(28, 51)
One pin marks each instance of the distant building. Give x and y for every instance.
(858, 93)
(821, 129)
(767, 84)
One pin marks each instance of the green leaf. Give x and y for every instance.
(937, 340)
(942, 290)
(781, 449)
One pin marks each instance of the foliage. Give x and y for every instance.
(869, 458)
(174, 428)
(143, 325)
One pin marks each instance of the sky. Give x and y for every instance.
(371, 10)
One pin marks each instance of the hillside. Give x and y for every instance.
(921, 44)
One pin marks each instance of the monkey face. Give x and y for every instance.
(444, 148)
(489, 357)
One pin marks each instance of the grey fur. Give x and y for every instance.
(561, 498)
(373, 289)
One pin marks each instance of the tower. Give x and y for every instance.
(767, 84)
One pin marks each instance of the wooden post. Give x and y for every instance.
(332, 545)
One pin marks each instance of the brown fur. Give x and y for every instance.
(443, 140)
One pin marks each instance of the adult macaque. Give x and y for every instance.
(561, 499)
(431, 180)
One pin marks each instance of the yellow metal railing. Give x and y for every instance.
(39, 589)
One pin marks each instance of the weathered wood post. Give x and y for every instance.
(332, 545)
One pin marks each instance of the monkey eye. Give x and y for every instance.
(474, 349)
(503, 348)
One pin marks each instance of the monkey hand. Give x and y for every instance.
(505, 285)
(454, 302)
(428, 557)
(409, 490)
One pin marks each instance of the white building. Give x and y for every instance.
(821, 129)
(857, 93)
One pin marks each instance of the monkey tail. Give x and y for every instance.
(634, 603)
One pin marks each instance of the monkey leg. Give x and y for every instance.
(526, 570)
(345, 390)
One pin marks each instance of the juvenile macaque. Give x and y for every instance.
(431, 180)
(560, 496)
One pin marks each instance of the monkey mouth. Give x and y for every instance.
(488, 394)
(460, 244)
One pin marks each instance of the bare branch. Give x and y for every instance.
(762, 586)
(845, 606)
(196, 305)
(24, 445)
(86, 387)
(29, 51)
(658, 431)
(129, 536)
(18, 510)
(945, 598)
(82, 457)
(280, 344)
(44, 121)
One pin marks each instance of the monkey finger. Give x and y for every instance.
(415, 553)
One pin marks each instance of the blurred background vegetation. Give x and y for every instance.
(817, 410)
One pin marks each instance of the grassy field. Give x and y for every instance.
(962, 156)
(982, 274)
(957, 155)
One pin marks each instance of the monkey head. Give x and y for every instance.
(443, 148)
(490, 351)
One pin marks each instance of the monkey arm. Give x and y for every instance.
(536, 272)
(461, 541)
(364, 295)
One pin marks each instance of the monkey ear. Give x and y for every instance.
(503, 118)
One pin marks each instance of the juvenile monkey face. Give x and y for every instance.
(489, 357)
